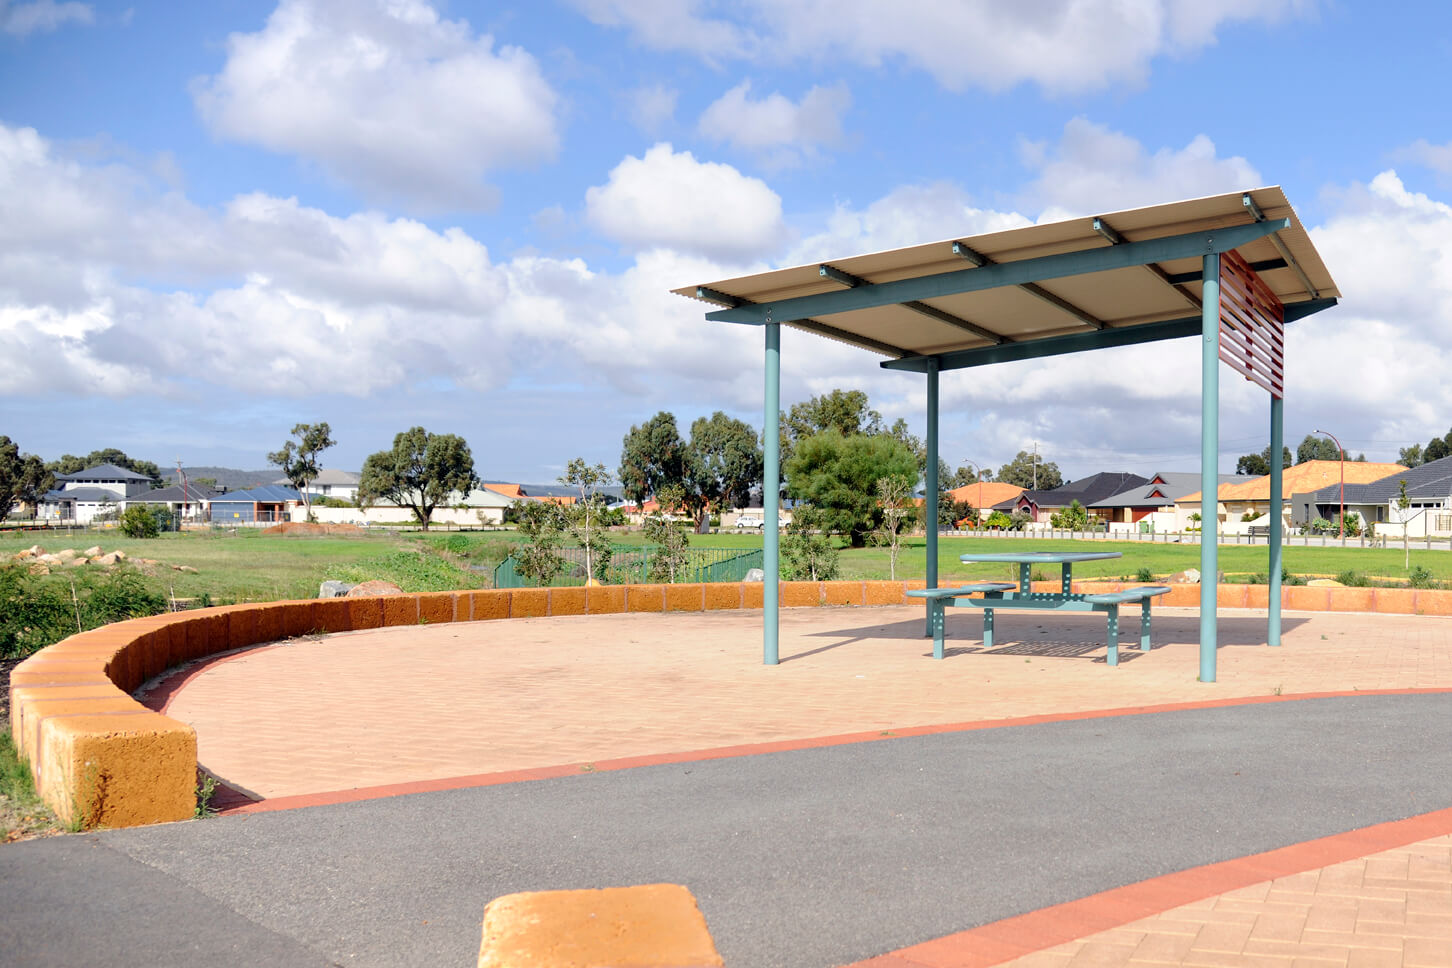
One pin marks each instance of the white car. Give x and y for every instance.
(753, 521)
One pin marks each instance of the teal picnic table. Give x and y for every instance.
(992, 596)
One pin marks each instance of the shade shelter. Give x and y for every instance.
(1231, 269)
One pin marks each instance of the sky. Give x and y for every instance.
(219, 220)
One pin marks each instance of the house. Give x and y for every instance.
(87, 494)
(983, 495)
(268, 503)
(1152, 506)
(1240, 505)
(190, 502)
(331, 482)
(1040, 505)
(1429, 497)
(481, 507)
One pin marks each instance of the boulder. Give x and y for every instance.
(92, 551)
(120, 555)
(49, 559)
(1190, 576)
(66, 554)
(34, 551)
(374, 587)
(755, 574)
(39, 569)
(75, 562)
(105, 561)
(334, 589)
(186, 568)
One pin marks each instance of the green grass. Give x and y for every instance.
(22, 814)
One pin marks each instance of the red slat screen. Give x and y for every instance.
(1252, 325)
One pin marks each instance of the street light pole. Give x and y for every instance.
(1341, 531)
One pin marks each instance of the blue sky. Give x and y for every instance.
(218, 220)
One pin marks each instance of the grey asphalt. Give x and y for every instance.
(802, 859)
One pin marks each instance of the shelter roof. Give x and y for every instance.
(1113, 279)
(103, 472)
(1308, 476)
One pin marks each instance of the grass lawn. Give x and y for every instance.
(22, 814)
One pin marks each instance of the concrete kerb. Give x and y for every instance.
(102, 759)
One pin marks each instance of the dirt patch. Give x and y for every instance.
(310, 528)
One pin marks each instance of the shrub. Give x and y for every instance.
(139, 522)
(1420, 577)
(1250, 516)
(1144, 574)
(40, 610)
(1353, 579)
(999, 520)
(806, 553)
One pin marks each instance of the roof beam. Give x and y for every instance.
(1108, 231)
(1275, 238)
(943, 284)
(810, 325)
(1078, 342)
(852, 282)
(963, 251)
(1265, 265)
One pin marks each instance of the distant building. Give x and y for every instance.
(81, 497)
(269, 502)
(191, 501)
(331, 482)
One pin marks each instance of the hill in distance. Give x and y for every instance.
(228, 477)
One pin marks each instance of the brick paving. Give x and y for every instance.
(421, 703)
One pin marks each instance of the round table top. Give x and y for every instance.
(1041, 557)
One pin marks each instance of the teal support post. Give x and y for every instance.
(1112, 634)
(930, 483)
(770, 499)
(1273, 616)
(1209, 461)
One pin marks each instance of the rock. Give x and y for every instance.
(49, 559)
(1190, 576)
(1325, 583)
(374, 587)
(186, 568)
(75, 562)
(92, 552)
(105, 561)
(120, 555)
(66, 554)
(755, 574)
(34, 551)
(39, 569)
(334, 589)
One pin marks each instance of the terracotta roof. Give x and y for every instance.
(1310, 476)
(508, 490)
(985, 494)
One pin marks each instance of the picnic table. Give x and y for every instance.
(991, 596)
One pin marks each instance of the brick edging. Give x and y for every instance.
(103, 770)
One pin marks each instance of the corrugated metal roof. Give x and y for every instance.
(1117, 298)
(266, 494)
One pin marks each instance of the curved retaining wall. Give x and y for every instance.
(100, 758)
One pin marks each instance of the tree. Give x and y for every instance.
(1259, 465)
(23, 480)
(1072, 518)
(1403, 504)
(838, 476)
(667, 534)
(139, 522)
(807, 552)
(969, 475)
(299, 462)
(653, 456)
(1317, 448)
(1020, 472)
(1437, 448)
(1410, 457)
(845, 411)
(584, 515)
(543, 524)
(894, 496)
(718, 467)
(419, 473)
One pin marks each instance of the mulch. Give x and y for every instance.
(308, 528)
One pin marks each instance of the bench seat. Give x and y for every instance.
(1128, 595)
(978, 589)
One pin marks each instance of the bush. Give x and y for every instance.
(999, 520)
(1352, 579)
(1420, 577)
(807, 554)
(139, 522)
(40, 610)
(1250, 516)
(1144, 574)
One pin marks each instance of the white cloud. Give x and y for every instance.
(1060, 45)
(41, 16)
(1436, 157)
(385, 96)
(670, 199)
(652, 107)
(1093, 169)
(775, 123)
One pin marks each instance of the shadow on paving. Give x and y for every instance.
(1052, 635)
(807, 858)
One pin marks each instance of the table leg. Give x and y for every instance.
(1025, 576)
(988, 628)
(1144, 627)
(1068, 577)
(1114, 635)
(936, 623)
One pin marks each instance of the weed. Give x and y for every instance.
(206, 787)
(1420, 577)
(1276, 691)
(1144, 574)
(1352, 579)
(587, 768)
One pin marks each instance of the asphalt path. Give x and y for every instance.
(805, 858)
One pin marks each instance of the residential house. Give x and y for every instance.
(1041, 505)
(79, 498)
(1152, 506)
(331, 482)
(190, 502)
(1429, 499)
(1239, 506)
(268, 503)
(982, 496)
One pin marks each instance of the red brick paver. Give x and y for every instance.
(428, 703)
